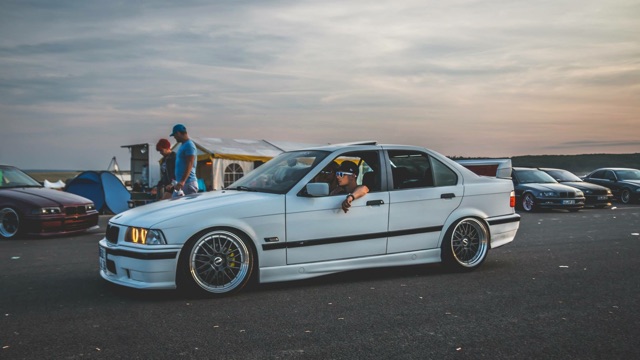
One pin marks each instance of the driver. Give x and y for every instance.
(346, 175)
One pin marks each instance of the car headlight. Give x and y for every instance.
(90, 207)
(548, 194)
(610, 193)
(144, 236)
(579, 193)
(588, 192)
(46, 211)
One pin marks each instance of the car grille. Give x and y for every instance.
(75, 210)
(567, 194)
(112, 234)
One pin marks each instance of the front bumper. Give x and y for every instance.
(49, 225)
(552, 203)
(140, 268)
(598, 200)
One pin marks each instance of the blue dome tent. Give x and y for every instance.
(106, 191)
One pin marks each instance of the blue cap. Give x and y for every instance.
(178, 128)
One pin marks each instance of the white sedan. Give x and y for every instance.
(279, 222)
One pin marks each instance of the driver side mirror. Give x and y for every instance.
(318, 189)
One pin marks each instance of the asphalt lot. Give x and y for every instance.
(567, 288)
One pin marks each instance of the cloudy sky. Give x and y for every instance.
(79, 79)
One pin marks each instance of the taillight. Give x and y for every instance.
(512, 199)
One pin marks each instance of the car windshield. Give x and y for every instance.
(563, 176)
(11, 177)
(628, 174)
(281, 173)
(533, 176)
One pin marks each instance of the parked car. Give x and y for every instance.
(28, 208)
(279, 222)
(595, 195)
(623, 182)
(535, 189)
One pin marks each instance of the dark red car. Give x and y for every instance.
(28, 208)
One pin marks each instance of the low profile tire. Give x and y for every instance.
(9, 223)
(528, 203)
(465, 245)
(216, 263)
(625, 196)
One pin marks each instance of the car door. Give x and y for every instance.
(606, 178)
(424, 193)
(317, 229)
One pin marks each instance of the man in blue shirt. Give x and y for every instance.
(185, 161)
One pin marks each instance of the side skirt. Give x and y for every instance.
(309, 270)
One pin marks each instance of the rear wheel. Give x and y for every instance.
(528, 203)
(465, 245)
(9, 223)
(625, 196)
(216, 262)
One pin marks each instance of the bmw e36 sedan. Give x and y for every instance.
(280, 222)
(29, 209)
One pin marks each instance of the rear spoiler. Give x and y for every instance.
(489, 167)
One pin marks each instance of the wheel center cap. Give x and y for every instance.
(465, 242)
(217, 261)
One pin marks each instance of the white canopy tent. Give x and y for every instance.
(222, 161)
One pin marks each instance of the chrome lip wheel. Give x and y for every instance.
(469, 243)
(9, 222)
(219, 262)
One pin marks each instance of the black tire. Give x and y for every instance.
(216, 262)
(9, 223)
(528, 203)
(465, 245)
(625, 196)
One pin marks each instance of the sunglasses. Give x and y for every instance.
(342, 173)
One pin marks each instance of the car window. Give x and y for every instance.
(533, 176)
(628, 174)
(281, 173)
(442, 174)
(563, 175)
(609, 175)
(368, 163)
(413, 169)
(598, 175)
(13, 177)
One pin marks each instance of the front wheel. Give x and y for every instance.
(528, 203)
(216, 262)
(465, 245)
(9, 223)
(625, 196)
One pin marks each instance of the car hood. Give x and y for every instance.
(583, 185)
(42, 196)
(225, 203)
(546, 187)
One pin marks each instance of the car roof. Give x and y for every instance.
(359, 145)
(614, 168)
